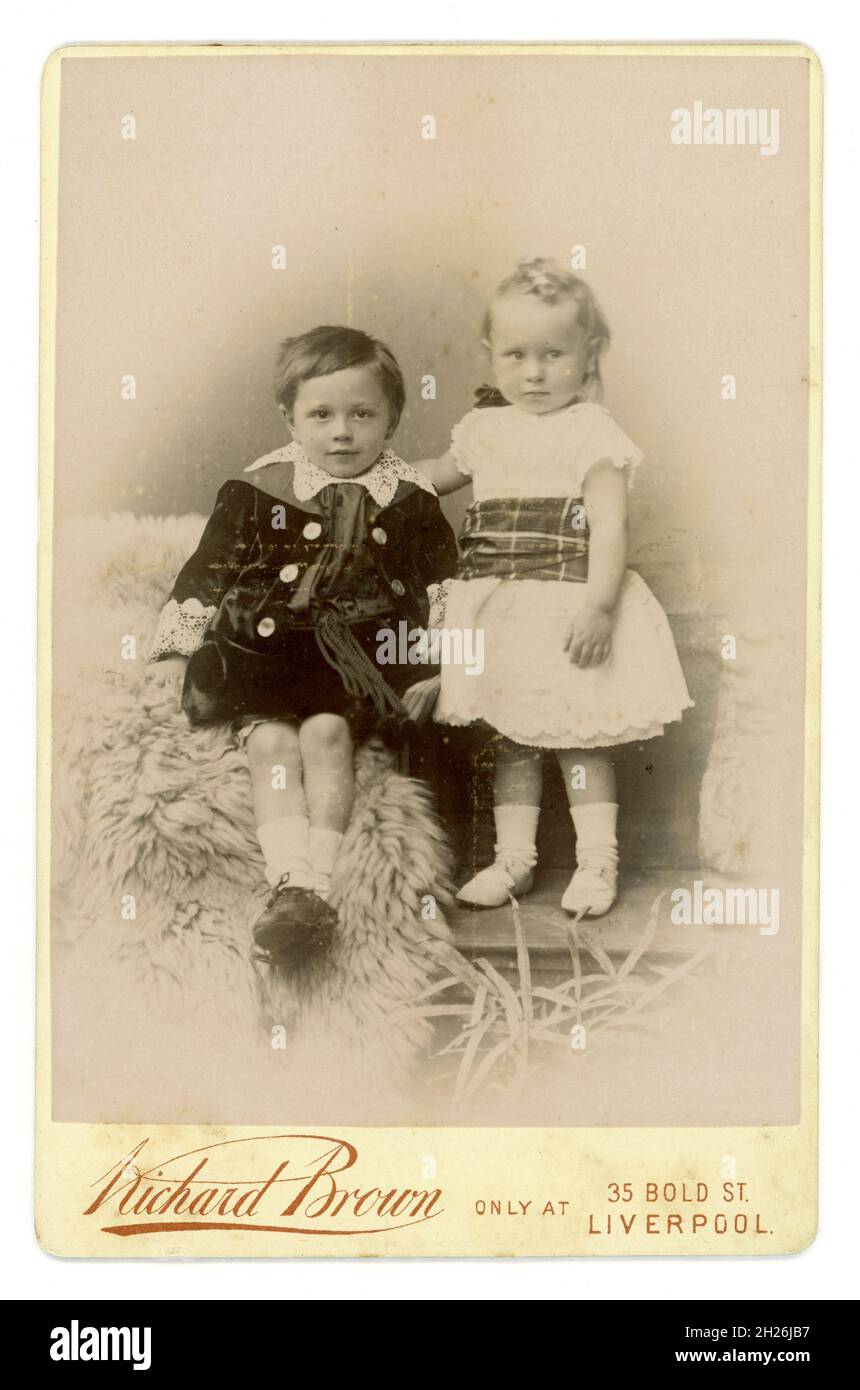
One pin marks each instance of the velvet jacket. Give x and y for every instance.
(232, 607)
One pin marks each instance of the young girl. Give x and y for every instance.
(273, 622)
(578, 652)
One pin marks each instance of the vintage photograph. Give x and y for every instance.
(427, 489)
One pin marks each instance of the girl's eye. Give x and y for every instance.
(553, 352)
(514, 354)
(364, 414)
(321, 413)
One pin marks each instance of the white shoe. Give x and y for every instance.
(496, 885)
(592, 890)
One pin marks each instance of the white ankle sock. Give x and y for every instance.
(324, 847)
(286, 850)
(516, 833)
(595, 826)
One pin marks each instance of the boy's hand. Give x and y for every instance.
(170, 669)
(419, 699)
(162, 686)
(589, 637)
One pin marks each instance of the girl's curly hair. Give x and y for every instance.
(551, 284)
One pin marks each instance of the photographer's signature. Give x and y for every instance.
(293, 1183)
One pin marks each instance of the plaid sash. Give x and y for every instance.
(525, 538)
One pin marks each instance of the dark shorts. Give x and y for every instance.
(226, 682)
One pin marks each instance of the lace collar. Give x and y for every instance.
(381, 479)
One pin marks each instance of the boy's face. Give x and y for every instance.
(538, 351)
(342, 420)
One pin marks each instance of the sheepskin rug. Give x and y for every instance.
(159, 1012)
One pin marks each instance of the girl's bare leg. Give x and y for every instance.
(517, 795)
(589, 775)
(589, 779)
(519, 774)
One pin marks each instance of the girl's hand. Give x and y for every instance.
(589, 637)
(419, 699)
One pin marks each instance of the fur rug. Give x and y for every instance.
(158, 876)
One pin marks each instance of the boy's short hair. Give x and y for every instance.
(327, 349)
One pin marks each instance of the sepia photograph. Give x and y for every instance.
(427, 467)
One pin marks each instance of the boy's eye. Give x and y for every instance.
(514, 353)
(553, 352)
(321, 412)
(364, 414)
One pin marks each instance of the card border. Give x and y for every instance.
(69, 1157)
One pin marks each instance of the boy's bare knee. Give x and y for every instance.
(272, 742)
(325, 734)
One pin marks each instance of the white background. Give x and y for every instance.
(828, 1269)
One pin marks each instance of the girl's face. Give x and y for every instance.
(538, 351)
(342, 420)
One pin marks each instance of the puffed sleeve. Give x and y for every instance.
(462, 448)
(207, 574)
(607, 442)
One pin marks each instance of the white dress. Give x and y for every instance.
(529, 689)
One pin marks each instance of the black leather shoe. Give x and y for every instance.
(296, 925)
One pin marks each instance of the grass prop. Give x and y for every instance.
(507, 1030)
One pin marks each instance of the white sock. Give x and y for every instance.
(596, 840)
(516, 833)
(286, 850)
(324, 847)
